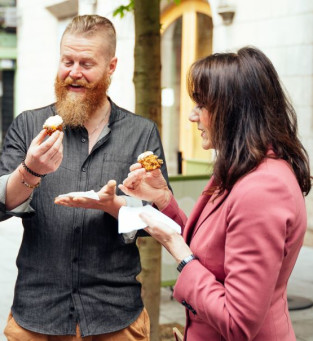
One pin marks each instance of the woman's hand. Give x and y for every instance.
(149, 186)
(169, 238)
(109, 202)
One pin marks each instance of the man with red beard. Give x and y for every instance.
(76, 274)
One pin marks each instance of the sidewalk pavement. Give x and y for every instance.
(300, 284)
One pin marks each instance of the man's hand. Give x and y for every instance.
(109, 202)
(149, 186)
(45, 156)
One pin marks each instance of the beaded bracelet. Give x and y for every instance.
(31, 171)
(26, 184)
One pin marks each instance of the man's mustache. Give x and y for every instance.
(80, 82)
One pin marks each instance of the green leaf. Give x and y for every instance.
(121, 10)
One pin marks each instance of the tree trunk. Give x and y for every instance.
(147, 73)
(147, 80)
(150, 253)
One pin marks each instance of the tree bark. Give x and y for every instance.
(147, 80)
(147, 73)
(150, 254)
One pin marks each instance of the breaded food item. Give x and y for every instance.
(149, 161)
(53, 123)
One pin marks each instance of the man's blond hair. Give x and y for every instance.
(94, 24)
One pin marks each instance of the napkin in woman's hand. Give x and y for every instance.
(129, 220)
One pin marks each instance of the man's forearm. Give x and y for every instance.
(19, 187)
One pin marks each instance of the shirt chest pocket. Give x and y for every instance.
(112, 167)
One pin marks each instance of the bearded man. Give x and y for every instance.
(76, 274)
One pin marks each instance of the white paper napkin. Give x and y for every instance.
(89, 194)
(129, 220)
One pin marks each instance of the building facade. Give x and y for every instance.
(8, 53)
(193, 28)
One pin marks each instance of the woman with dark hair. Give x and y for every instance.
(243, 237)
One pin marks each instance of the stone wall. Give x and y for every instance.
(280, 29)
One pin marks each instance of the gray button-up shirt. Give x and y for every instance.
(73, 266)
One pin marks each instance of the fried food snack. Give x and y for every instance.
(53, 123)
(149, 161)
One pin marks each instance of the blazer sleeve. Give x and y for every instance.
(258, 214)
(173, 211)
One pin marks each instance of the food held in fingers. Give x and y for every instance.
(53, 123)
(149, 161)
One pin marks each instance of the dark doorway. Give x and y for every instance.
(7, 101)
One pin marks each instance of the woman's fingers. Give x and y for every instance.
(135, 166)
(134, 178)
(147, 218)
(124, 189)
(154, 226)
(156, 173)
(169, 238)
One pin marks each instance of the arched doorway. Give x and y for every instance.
(187, 33)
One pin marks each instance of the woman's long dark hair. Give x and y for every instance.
(250, 113)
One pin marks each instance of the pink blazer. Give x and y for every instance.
(247, 242)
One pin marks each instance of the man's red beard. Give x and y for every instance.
(76, 107)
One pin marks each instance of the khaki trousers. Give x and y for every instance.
(138, 330)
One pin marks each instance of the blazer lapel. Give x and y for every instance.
(205, 206)
(198, 208)
(211, 207)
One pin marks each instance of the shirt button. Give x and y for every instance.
(77, 229)
(83, 140)
(83, 169)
